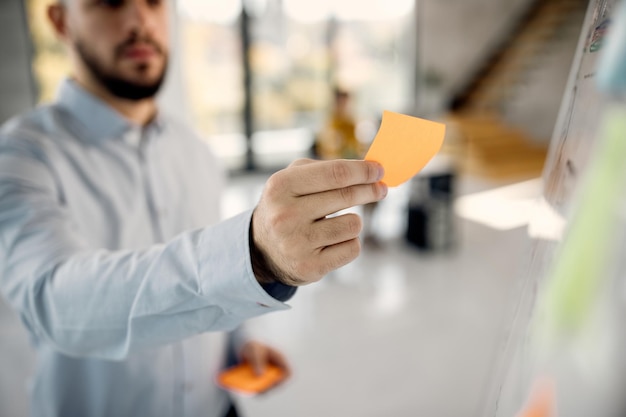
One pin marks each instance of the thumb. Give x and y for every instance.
(258, 360)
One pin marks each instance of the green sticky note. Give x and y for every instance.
(574, 284)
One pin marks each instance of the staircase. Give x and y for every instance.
(482, 113)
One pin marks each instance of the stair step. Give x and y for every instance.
(501, 77)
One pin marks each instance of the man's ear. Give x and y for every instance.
(57, 15)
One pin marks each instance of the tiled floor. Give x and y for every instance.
(397, 333)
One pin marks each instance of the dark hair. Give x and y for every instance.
(340, 93)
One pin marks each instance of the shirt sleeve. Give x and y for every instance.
(86, 301)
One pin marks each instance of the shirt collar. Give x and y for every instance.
(98, 120)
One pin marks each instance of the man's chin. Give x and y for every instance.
(143, 82)
(135, 84)
(132, 90)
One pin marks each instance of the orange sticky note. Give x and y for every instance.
(542, 400)
(404, 145)
(241, 378)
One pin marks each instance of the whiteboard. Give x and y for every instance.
(572, 146)
(576, 128)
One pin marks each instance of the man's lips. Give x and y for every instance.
(139, 52)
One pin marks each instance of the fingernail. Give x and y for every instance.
(381, 172)
(383, 190)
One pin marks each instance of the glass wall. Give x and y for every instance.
(212, 64)
(290, 68)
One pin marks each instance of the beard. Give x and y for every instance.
(116, 84)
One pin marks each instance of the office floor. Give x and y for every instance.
(398, 332)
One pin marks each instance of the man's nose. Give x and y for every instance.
(141, 16)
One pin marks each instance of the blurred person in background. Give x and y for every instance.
(338, 137)
(338, 140)
(112, 249)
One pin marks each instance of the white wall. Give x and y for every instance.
(17, 91)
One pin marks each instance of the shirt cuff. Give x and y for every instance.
(226, 276)
(279, 291)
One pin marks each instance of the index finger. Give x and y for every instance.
(331, 175)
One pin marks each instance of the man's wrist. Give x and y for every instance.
(264, 271)
(266, 276)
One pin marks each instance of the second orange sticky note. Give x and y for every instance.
(542, 401)
(242, 378)
(404, 145)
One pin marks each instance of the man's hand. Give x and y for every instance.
(292, 239)
(259, 355)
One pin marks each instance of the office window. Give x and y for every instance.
(302, 49)
(371, 47)
(212, 65)
(375, 60)
(290, 87)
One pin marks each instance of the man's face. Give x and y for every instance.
(122, 44)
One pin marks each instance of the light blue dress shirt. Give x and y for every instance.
(112, 252)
